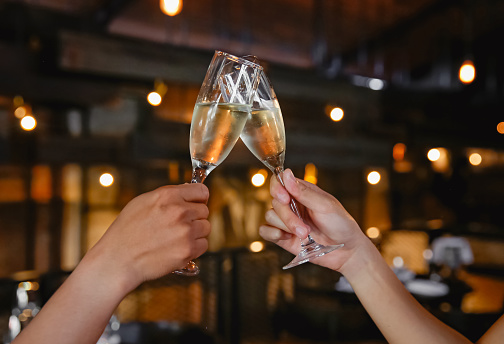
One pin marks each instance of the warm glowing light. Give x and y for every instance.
(256, 246)
(475, 159)
(433, 154)
(373, 177)
(399, 151)
(20, 112)
(154, 98)
(500, 128)
(171, 7)
(373, 232)
(258, 180)
(106, 179)
(428, 254)
(337, 114)
(310, 173)
(398, 262)
(435, 224)
(467, 72)
(18, 101)
(28, 123)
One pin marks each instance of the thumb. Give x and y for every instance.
(309, 195)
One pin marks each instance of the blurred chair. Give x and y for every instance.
(452, 252)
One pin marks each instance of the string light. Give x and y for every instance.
(156, 97)
(467, 72)
(20, 112)
(374, 177)
(475, 159)
(28, 123)
(373, 232)
(500, 128)
(171, 7)
(433, 154)
(106, 179)
(337, 114)
(256, 246)
(259, 178)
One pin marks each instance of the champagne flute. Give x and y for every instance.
(221, 110)
(264, 135)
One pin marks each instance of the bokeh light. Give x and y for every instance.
(399, 151)
(28, 123)
(311, 173)
(256, 246)
(20, 112)
(337, 114)
(373, 232)
(467, 72)
(171, 7)
(373, 178)
(106, 179)
(500, 128)
(259, 178)
(433, 154)
(154, 98)
(475, 159)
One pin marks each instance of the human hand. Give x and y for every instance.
(156, 233)
(324, 218)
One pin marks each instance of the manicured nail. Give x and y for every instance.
(301, 232)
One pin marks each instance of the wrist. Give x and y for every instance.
(362, 261)
(104, 268)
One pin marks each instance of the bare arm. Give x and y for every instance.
(155, 234)
(400, 318)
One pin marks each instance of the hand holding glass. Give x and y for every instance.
(264, 135)
(220, 113)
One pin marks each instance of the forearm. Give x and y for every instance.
(400, 318)
(80, 309)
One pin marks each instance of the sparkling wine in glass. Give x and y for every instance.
(264, 135)
(220, 113)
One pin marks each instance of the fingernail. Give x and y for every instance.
(301, 232)
(289, 175)
(284, 198)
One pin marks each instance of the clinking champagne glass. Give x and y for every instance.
(264, 135)
(221, 110)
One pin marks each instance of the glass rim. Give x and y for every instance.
(239, 59)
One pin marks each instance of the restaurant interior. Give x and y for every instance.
(394, 107)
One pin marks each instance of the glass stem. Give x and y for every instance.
(293, 205)
(198, 175)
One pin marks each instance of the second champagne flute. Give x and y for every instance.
(221, 110)
(264, 135)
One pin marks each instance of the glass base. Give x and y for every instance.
(309, 252)
(191, 269)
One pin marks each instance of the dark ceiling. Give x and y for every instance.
(81, 51)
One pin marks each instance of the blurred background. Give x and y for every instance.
(395, 107)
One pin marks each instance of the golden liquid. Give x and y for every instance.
(264, 135)
(215, 128)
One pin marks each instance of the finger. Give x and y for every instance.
(200, 247)
(308, 194)
(274, 234)
(201, 228)
(195, 192)
(273, 220)
(278, 191)
(198, 211)
(294, 224)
